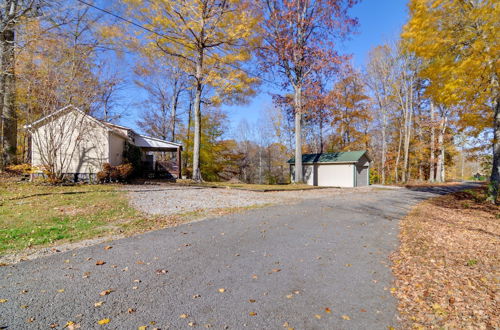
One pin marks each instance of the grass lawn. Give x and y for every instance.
(36, 215)
(252, 187)
(447, 263)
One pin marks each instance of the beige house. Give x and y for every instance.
(335, 169)
(72, 142)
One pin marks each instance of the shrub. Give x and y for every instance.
(125, 171)
(120, 173)
(102, 176)
(19, 169)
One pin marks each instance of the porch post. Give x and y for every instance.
(179, 163)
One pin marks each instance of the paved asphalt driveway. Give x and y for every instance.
(320, 264)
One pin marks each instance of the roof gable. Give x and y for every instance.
(332, 157)
(127, 133)
(61, 112)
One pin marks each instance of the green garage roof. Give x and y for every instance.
(332, 157)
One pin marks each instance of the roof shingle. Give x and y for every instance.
(331, 157)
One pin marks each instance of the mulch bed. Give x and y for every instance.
(448, 264)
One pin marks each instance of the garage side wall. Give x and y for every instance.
(309, 173)
(336, 175)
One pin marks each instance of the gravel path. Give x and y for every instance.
(167, 200)
(318, 264)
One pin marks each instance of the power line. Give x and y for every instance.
(171, 39)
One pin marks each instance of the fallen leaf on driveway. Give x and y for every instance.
(86, 275)
(317, 316)
(328, 310)
(251, 300)
(3, 301)
(109, 247)
(348, 265)
(183, 316)
(142, 327)
(98, 304)
(222, 290)
(60, 290)
(103, 321)
(139, 262)
(161, 271)
(100, 262)
(105, 292)
(137, 281)
(130, 310)
(54, 325)
(289, 296)
(276, 270)
(345, 317)
(196, 296)
(191, 324)
(252, 313)
(255, 277)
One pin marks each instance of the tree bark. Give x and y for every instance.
(173, 109)
(384, 149)
(495, 170)
(440, 170)
(8, 114)
(298, 135)
(432, 160)
(197, 123)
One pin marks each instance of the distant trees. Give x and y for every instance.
(458, 42)
(299, 42)
(210, 38)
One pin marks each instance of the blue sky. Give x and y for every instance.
(379, 21)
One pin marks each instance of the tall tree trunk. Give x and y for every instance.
(190, 123)
(398, 156)
(495, 170)
(321, 136)
(432, 160)
(298, 134)
(197, 120)
(8, 114)
(384, 151)
(440, 162)
(407, 137)
(173, 109)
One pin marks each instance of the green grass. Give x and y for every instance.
(34, 215)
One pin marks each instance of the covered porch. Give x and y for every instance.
(161, 159)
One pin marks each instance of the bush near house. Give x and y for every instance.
(19, 169)
(120, 173)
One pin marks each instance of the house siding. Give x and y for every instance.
(116, 145)
(82, 144)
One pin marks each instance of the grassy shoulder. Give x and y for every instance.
(34, 216)
(447, 264)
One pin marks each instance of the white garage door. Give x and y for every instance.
(336, 175)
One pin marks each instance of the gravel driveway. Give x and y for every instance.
(169, 199)
(321, 263)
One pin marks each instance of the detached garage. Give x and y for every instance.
(335, 169)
